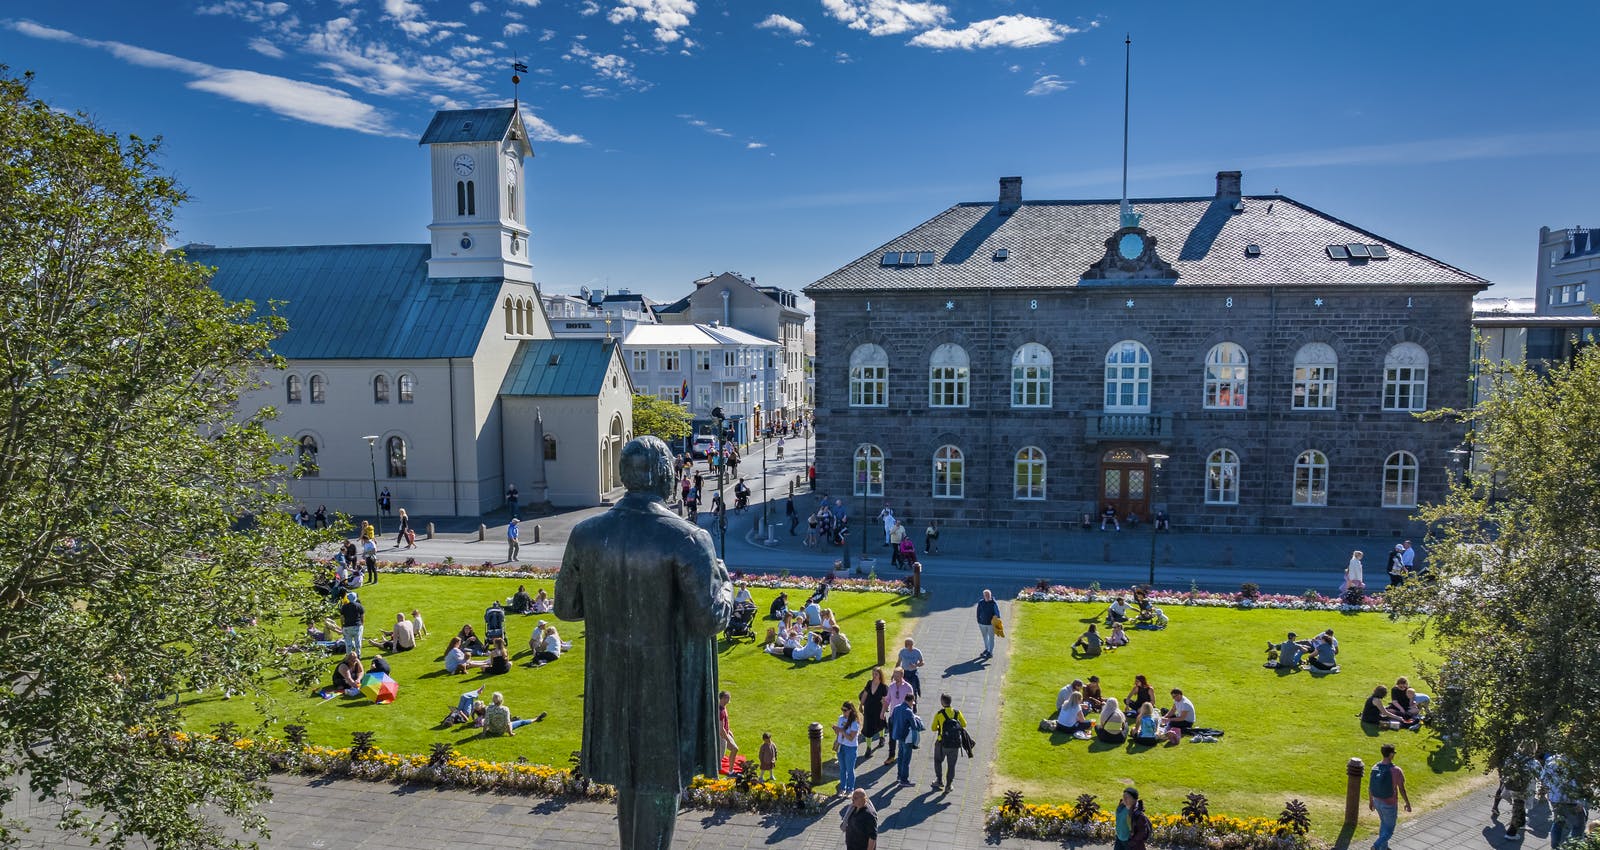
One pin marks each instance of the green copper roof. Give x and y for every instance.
(356, 301)
(558, 367)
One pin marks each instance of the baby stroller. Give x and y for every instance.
(740, 622)
(1149, 617)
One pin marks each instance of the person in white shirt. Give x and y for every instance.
(742, 596)
(549, 647)
(417, 628)
(808, 649)
(1181, 715)
(1118, 611)
(813, 613)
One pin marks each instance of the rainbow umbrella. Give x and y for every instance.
(380, 687)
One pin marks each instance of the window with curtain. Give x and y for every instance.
(1227, 376)
(949, 374)
(1030, 376)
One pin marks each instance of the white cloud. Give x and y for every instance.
(250, 10)
(1014, 68)
(513, 29)
(266, 48)
(302, 101)
(805, 42)
(670, 17)
(887, 17)
(1004, 31)
(477, 7)
(541, 131)
(607, 65)
(588, 8)
(1048, 84)
(752, 146)
(842, 58)
(527, 2)
(785, 24)
(1082, 61)
(547, 35)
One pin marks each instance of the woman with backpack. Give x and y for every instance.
(1133, 827)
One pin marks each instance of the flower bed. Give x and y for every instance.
(1308, 601)
(1214, 832)
(769, 580)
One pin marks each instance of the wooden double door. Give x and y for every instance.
(1125, 479)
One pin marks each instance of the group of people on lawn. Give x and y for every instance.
(1084, 712)
(803, 634)
(545, 644)
(1321, 653)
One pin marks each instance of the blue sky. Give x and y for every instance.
(783, 138)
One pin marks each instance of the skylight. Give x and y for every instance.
(891, 259)
(1338, 252)
(1378, 252)
(1252, 250)
(925, 258)
(1358, 251)
(1001, 255)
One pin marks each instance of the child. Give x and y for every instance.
(768, 756)
(417, 628)
(1118, 636)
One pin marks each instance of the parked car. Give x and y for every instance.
(704, 445)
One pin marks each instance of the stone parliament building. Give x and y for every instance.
(1240, 362)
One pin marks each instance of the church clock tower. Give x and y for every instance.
(480, 218)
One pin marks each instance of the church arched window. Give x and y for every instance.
(461, 197)
(472, 199)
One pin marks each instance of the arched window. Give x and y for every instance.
(511, 202)
(949, 473)
(461, 197)
(869, 471)
(522, 318)
(949, 373)
(472, 199)
(869, 376)
(1400, 480)
(1030, 376)
(380, 389)
(319, 389)
(1405, 378)
(1227, 376)
(291, 385)
(511, 315)
(1128, 377)
(306, 457)
(1028, 475)
(1316, 377)
(395, 450)
(1222, 478)
(1311, 478)
(549, 447)
(406, 388)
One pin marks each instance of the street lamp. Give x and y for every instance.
(1155, 527)
(372, 456)
(722, 466)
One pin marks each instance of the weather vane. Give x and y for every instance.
(518, 68)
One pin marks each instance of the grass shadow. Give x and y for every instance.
(1098, 746)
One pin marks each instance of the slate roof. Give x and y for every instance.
(356, 301)
(677, 306)
(1052, 243)
(579, 368)
(468, 125)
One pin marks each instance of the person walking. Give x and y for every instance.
(405, 526)
(792, 514)
(859, 822)
(1568, 814)
(1396, 567)
(902, 722)
(513, 536)
(1132, 825)
(1385, 788)
(988, 610)
(1353, 572)
(910, 659)
(899, 691)
(949, 728)
(930, 536)
(369, 554)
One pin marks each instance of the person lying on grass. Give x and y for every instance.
(456, 660)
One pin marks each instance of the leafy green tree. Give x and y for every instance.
(1513, 598)
(660, 418)
(144, 545)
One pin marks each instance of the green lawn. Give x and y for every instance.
(769, 694)
(1288, 735)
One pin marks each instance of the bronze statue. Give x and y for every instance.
(652, 596)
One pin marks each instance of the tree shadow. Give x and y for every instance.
(1445, 759)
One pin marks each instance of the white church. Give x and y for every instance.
(431, 367)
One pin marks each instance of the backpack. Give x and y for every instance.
(950, 731)
(1381, 785)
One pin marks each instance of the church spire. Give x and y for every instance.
(1129, 217)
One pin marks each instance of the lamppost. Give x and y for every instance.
(766, 508)
(372, 456)
(722, 466)
(1155, 527)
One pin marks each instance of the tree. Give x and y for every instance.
(659, 418)
(1513, 599)
(144, 549)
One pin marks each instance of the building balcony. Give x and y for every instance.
(1102, 427)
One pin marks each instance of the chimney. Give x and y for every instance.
(1228, 183)
(1010, 195)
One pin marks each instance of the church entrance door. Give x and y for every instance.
(1125, 482)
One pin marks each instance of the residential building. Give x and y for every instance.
(731, 300)
(705, 367)
(1567, 272)
(421, 368)
(605, 317)
(1239, 362)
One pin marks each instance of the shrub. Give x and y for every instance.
(295, 734)
(1196, 809)
(226, 732)
(1355, 593)
(1084, 809)
(1311, 596)
(361, 745)
(1295, 819)
(440, 755)
(800, 785)
(1249, 591)
(1011, 803)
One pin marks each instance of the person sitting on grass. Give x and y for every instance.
(521, 602)
(346, 678)
(1092, 696)
(456, 660)
(499, 658)
(838, 644)
(1113, 728)
(1118, 612)
(807, 649)
(498, 721)
(1117, 638)
(779, 609)
(1375, 712)
(1181, 715)
(784, 644)
(1070, 718)
(549, 647)
(813, 613)
(1323, 656)
(1142, 694)
(470, 643)
(1076, 687)
(1406, 702)
(418, 629)
(400, 639)
(1148, 730)
(541, 603)
(1289, 653)
(1090, 642)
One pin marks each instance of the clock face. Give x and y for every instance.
(1131, 246)
(464, 165)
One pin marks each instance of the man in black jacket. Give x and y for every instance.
(860, 823)
(988, 610)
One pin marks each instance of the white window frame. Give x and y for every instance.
(1405, 378)
(702, 360)
(639, 360)
(1029, 468)
(1222, 477)
(1032, 366)
(405, 388)
(318, 386)
(867, 469)
(1127, 377)
(1400, 474)
(949, 473)
(869, 376)
(294, 390)
(949, 376)
(730, 394)
(1311, 467)
(1227, 377)
(670, 361)
(1316, 378)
